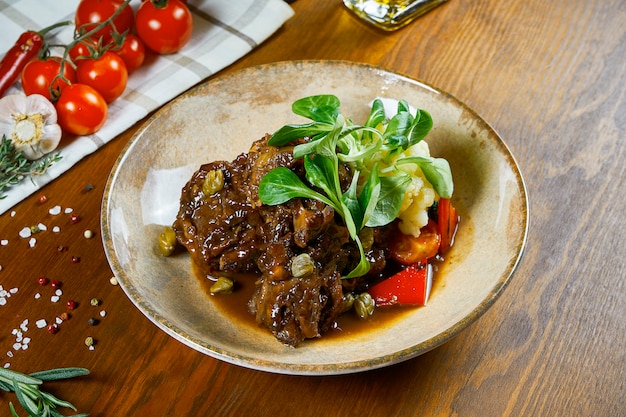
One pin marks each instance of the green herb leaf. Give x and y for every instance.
(392, 190)
(370, 196)
(422, 124)
(59, 373)
(288, 133)
(437, 172)
(9, 376)
(281, 185)
(320, 108)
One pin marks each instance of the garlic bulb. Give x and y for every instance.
(30, 123)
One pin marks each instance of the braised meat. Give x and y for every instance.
(298, 249)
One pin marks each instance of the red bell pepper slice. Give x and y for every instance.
(447, 224)
(411, 286)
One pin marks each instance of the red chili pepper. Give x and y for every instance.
(26, 48)
(410, 286)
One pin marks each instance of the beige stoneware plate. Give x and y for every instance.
(219, 119)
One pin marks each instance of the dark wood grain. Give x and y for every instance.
(550, 77)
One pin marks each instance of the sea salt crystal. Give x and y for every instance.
(26, 340)
(41, 323)
(103, 313)
(56, 229)
(68, 210)
(58, 292)
(3, 301)
(24, 347)
(55, 210)
(24, 325)
(13, 213)
(32, 242)
(7, 365)
(25, 232)
(58, 320)
(17, 346)
(10, 354)
(13, 290)
(37, 296)
(42, 227)
(4, 242)
(55, 298)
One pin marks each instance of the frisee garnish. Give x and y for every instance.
(14, 167)
(38, 403)
(374, 151)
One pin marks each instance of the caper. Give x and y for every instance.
(167, 241)
(302, 265)
(348, 302)
(223, 285)
(213, 182)
(364, 305)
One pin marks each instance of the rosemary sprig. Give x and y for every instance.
(38, 403)
(14, 166)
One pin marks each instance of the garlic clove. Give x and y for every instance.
(30, 122)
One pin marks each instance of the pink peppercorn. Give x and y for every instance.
(53, 328)
(56, 283)
(42, 199)
(43, 281)
(74, 218)
(75, 259)
(71, 304)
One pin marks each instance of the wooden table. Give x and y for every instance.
(550, 77)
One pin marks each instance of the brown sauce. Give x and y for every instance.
(235, 304)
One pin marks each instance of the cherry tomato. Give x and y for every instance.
(132, 52)
(91, 12)
(408, 249)
(83, 49)
(38, 76)
(165, 29)
(447, 223)
(81, 110)
(106, 74)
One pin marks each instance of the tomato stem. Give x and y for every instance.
(43, 32)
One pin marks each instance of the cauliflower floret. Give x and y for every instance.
(419, 195)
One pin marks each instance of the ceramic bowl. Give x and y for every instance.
(219, 119)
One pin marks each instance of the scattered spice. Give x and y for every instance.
(90, 341)
(43, 281)
(42, 198)
(56, 284)
(53, 329)
(88, 234)
(71, 304)
(75, 259)
(74, 218)
(94, 302)
(93, 321)
(113, 281)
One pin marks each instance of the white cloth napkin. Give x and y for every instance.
(224, 31)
